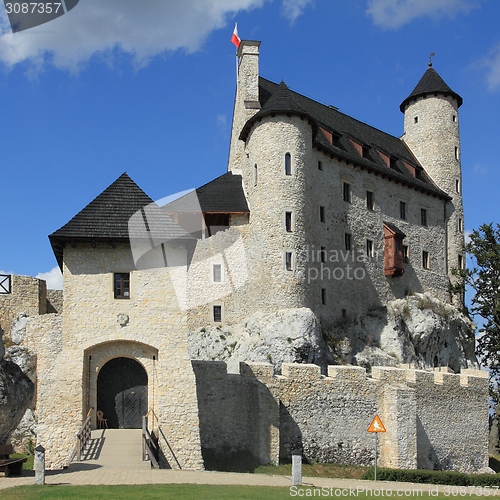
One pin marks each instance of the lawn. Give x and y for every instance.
(178, 492)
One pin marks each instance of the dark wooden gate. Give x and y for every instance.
(122, 393)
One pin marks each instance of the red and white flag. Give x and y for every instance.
(235, 38)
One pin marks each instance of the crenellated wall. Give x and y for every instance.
(328, 416)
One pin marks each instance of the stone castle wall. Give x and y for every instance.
(328, 416)
(28, 295)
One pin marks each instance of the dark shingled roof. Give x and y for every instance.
(279, 99)
(430, 83)
(110, 217)
(222, 195)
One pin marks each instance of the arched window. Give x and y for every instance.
(288, 164)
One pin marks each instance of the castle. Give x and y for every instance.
(317, 212)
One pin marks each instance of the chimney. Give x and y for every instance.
(247, 99)
(248, 73)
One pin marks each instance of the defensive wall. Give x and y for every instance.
(434, 420)
(26, 295)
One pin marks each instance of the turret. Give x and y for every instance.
(431, 131)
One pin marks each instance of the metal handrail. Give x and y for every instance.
(83, 436)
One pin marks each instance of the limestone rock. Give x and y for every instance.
(16, 393)
(23, 438)
(286, 336)
(419, 330)
(18, 328)
(2, 347)
(24, 359)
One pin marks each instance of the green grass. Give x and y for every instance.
(28, 465)
(174, 491)
(315, 470)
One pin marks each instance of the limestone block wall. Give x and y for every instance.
(28, 295)
(327, 417)
(452, 419)
(239, 413)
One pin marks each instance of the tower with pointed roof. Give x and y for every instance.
(432, 132)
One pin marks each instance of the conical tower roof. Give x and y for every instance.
(430, 84)
(282, 101)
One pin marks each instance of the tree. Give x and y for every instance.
(483, 278)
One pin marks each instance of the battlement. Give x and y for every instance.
(477, 379)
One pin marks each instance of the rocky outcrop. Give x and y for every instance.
(287, 336)
(418, 330)
(16, 393)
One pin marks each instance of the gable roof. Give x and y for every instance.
(222, 195)
(430, 83)
(110, 217)
(279, 99)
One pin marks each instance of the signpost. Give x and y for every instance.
(376, 426)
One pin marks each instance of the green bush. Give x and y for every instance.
(434, 477)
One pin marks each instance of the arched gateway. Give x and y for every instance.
(122, 393)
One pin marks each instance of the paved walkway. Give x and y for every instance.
(114, 457)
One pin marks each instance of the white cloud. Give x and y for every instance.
(480, 169)
(292, 9)
(393, 14)
(53, 278)
(141, 29)
(492, 65)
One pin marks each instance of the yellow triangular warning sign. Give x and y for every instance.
(376, 425)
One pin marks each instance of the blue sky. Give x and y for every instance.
(148, 87)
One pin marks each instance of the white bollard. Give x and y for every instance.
(39, 465)
(297, 467)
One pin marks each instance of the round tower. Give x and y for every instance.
(431, 131)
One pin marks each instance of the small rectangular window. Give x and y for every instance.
(255, 175)
(370, 204)
(322, 214)
(217, 314)
(289, 261)
(460, 262)
(426, 263)
(456, 152)
(423, 217)
(323, 254)
(406, 254)
(369, 248)
(348, 242)
(415, 119)
(320, 165)
(365, 152)
(323, 296)
(288, 222)
(217, 273)
(288, 164)
(402, 210)
(346, 192)
(457, 185)
(461, 225)
(454, 118)
(122, 285)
